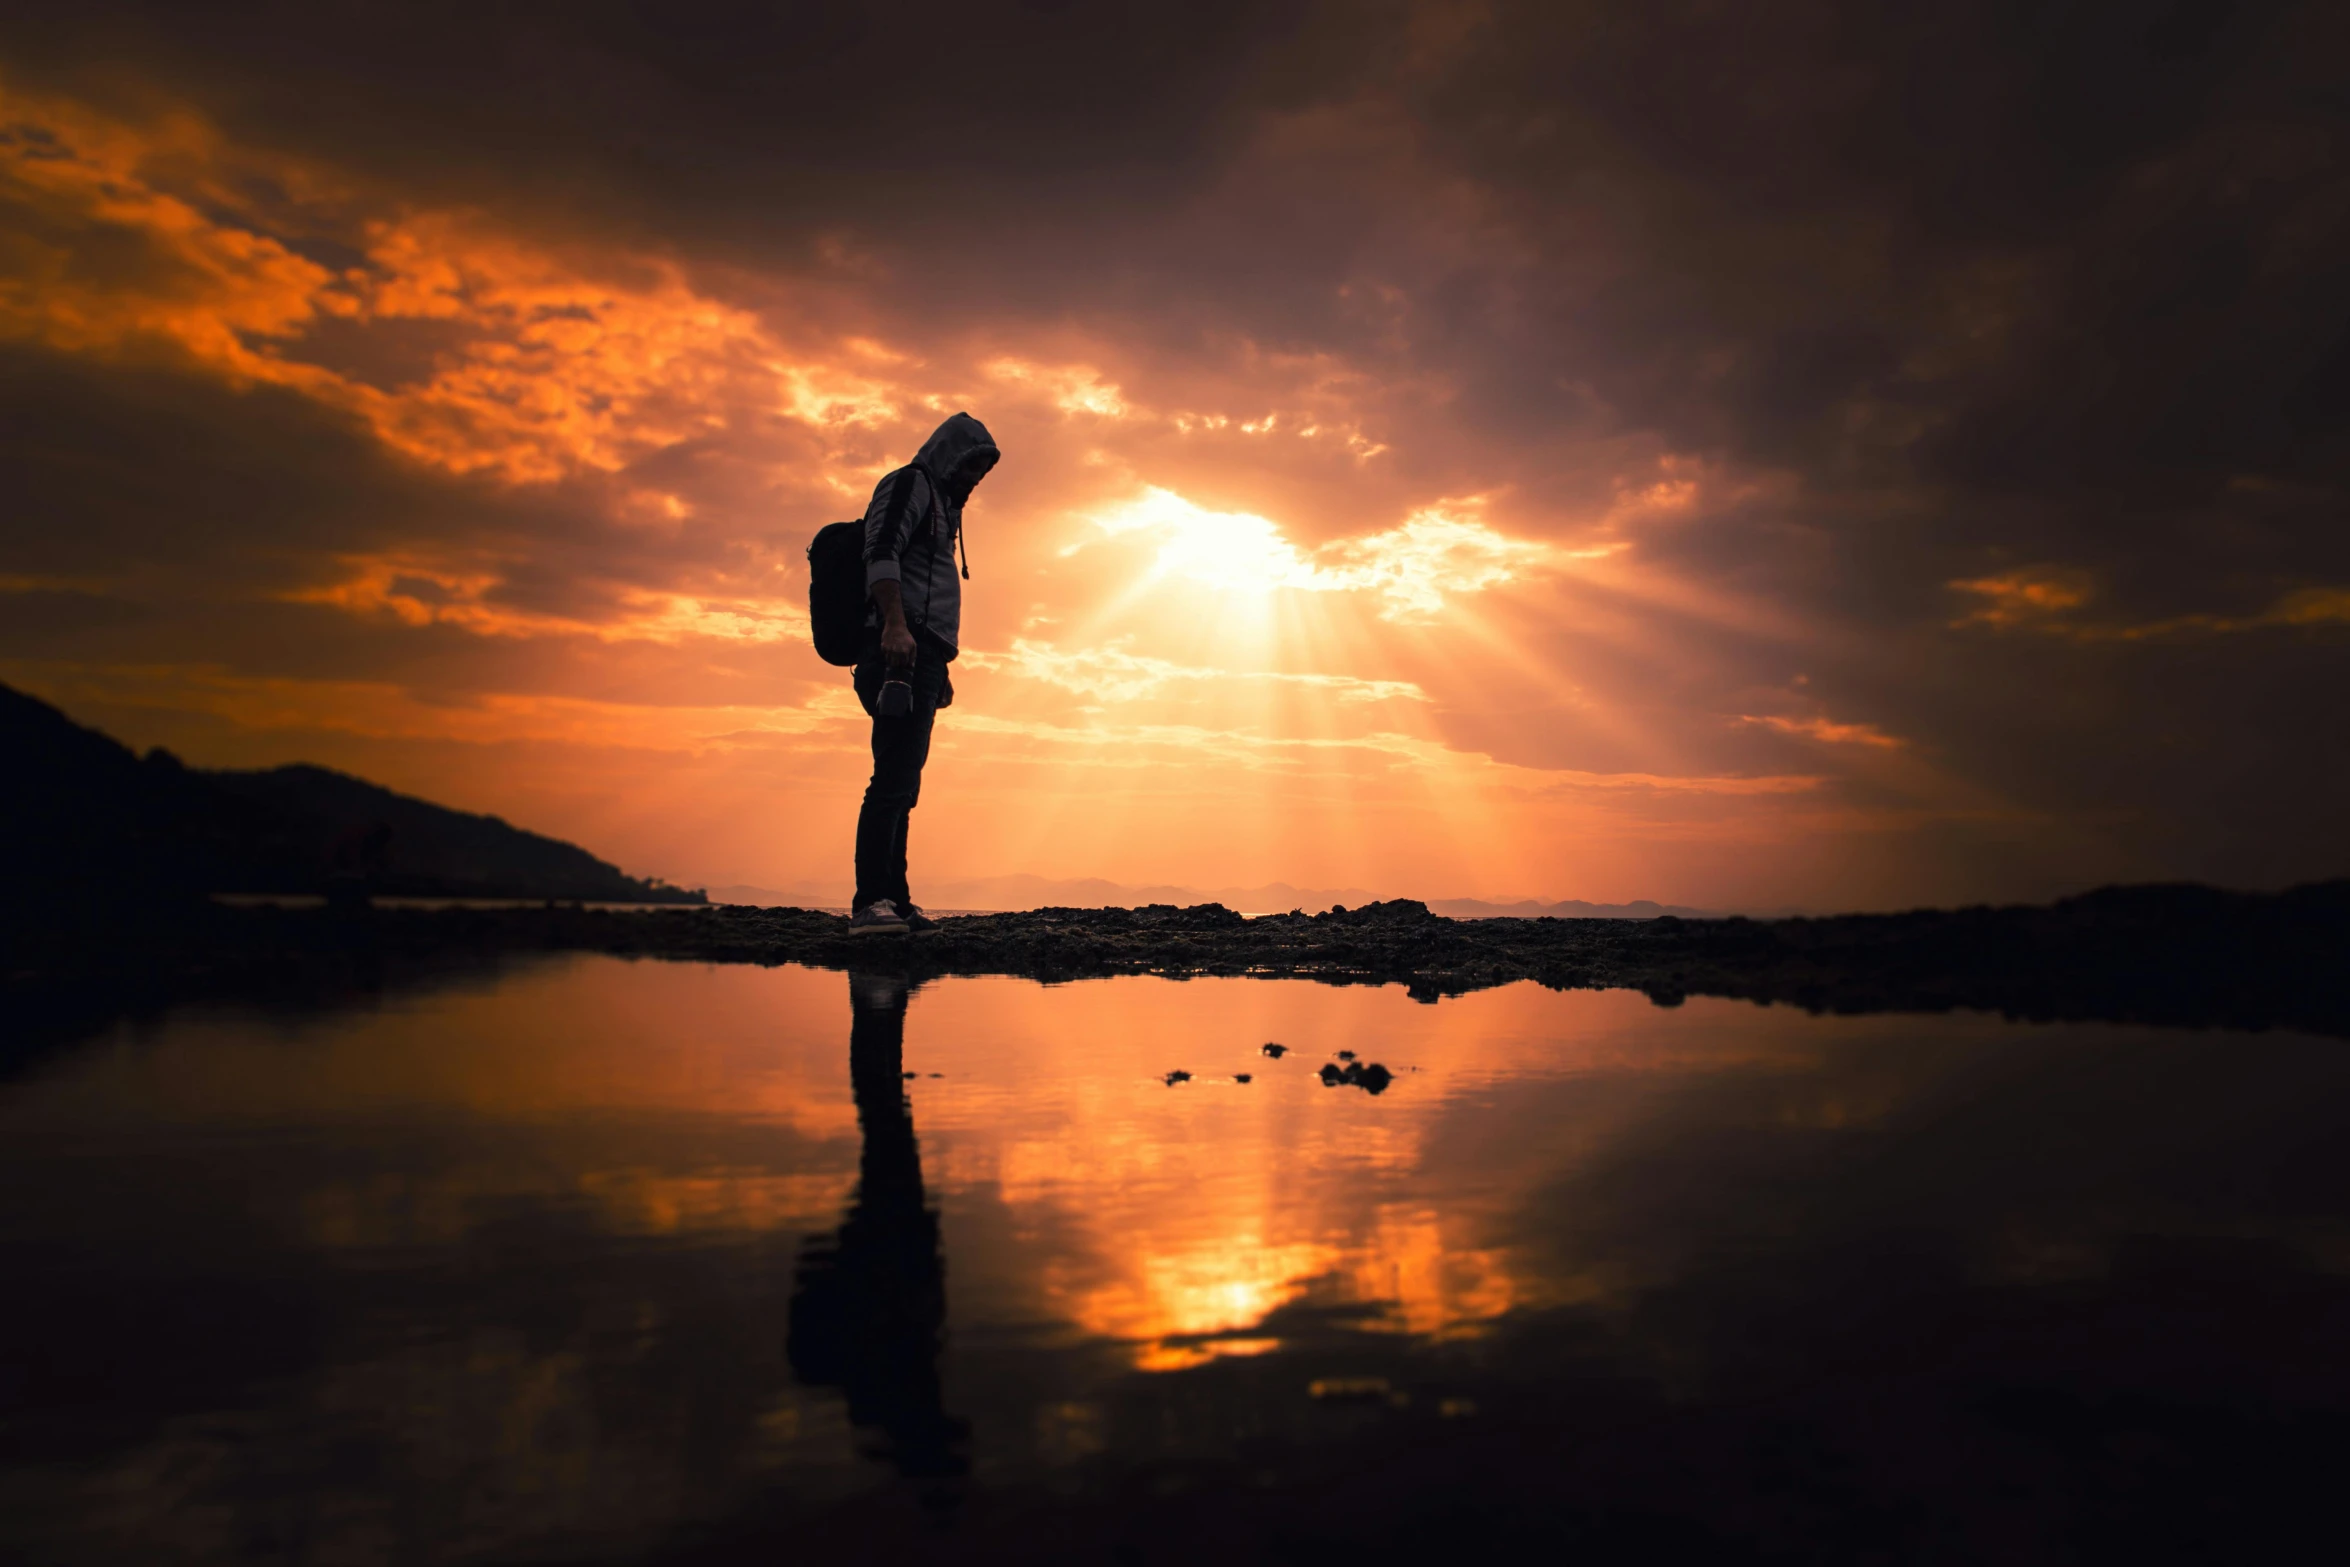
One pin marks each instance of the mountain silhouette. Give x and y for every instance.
(84, 819)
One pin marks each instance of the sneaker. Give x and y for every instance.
(878, 918)
(917, 921)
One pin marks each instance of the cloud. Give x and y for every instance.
(1072, 388)
(1826, 730)
(1591, 371)
(2021, 597)
(420, 593)
(1110, 673)
(1438, 553)
(533, 368)
(1414, 569)
(2042, 599)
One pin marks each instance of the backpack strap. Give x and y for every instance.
(900, 492)
(962, 535)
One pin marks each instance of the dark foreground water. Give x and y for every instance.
(653, 1262)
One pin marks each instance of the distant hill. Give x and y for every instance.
(81, 816)
(1570, 909)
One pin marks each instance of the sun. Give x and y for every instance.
(1232, 551)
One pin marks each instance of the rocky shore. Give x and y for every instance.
(2177, 955)
(2180, 955)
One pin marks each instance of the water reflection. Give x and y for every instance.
(869, 1313)
(601, 1260)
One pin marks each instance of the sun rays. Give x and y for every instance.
(1293, 636)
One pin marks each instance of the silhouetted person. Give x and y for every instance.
(913, 627)
(868, 1314)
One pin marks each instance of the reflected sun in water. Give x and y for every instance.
(1083, 1195)
(591, 1248)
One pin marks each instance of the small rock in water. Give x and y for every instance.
(1276, 1051)
(1371, 1078)
(1346, 1055)
(1240, 1077)
(1177, 1077)
(909, 1076)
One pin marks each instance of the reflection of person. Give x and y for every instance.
(868, 1313)
(912, 529)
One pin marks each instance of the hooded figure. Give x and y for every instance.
(913, 627)
(915, 523)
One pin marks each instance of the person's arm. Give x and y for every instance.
(897, 640)
(889, 528)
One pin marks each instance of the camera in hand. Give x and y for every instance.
(897, 694)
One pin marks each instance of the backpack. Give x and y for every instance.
(836, 591)
(836, 583)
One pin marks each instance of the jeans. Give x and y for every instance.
(900, 747)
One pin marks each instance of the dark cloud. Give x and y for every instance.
(161, 520)
(767, 119)
(113, 466)
(2000, 248)
(2082, 255)
(1954, 291)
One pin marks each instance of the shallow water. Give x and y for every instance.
(641, 1261)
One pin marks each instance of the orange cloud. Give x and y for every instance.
(1826, 730)
(1072, 388)
(422, 593)
(2022, 597)
(542, 367)
(1111, 673)
(2303, 607)
(1414, 568)
(2041, 597)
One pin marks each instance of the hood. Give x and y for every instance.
(958, 453)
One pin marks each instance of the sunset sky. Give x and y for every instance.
(1805, 455)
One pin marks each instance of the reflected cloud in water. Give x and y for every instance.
(614, 1260)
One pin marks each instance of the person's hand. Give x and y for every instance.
(897, 643)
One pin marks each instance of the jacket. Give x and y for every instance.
(915, 520)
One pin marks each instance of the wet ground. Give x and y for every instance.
(570, 1257)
